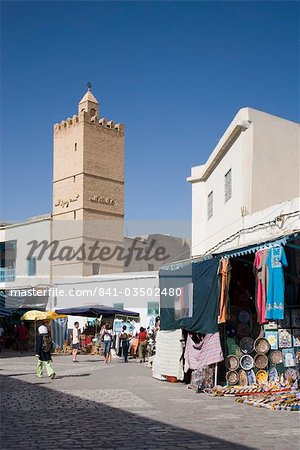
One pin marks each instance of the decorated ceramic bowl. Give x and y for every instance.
(261, 361)
(232, 362)
(276, 357)
(262, 345)
(246, 344)
(232, 377)
(246, 362)
(262, 376)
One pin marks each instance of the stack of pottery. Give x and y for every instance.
(232, 364)
(262, 347)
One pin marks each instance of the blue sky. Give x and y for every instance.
(174, 72)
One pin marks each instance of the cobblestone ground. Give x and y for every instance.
(120, 406)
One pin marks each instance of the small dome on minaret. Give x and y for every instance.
(89, 103)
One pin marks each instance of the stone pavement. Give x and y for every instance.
(120, 406)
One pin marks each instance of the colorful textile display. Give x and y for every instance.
(59, 331)
(208, 351)
(224, 273)
(275, 294)
(261, 284)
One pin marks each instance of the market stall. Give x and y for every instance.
(90, 341)
(246, 303)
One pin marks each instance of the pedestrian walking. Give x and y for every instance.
(107, 335)
(125, 343)
(142, 336)
(43, 353)
(75, 341)
(22, 336)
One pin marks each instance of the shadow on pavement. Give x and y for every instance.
(59, 377)
(39, 417)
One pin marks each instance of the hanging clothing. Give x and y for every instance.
(207, 351)
(260, 269)
(224, 273)
(275, 293)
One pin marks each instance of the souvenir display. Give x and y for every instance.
(232, 362)
(246, 362)
(274, 401)
(284, 338)
(243, 378)
(276, 357)
(298, 357)
(244, 316)
(262, 345)
(246, 344)
(296, 338)
(272, 337)
(262, 376)
(289, 359)
(260, 361)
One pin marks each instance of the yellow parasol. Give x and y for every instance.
(42, 315)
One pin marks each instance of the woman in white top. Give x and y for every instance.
(107, 335)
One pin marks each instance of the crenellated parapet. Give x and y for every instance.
(103, 123)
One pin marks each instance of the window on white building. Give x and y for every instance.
(228, 185)
(96, 268)
(210, 205)
(31, 267)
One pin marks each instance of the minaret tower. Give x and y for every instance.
(88, 187)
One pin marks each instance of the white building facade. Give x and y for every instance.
(248, 189)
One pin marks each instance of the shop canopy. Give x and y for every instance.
(41, 315)
(97, 310)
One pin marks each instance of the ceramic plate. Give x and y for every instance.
(246, 344)
(232, 362)
(261, 361)
(246, 362)
(262, 376)
(276, 357)
(262, 345)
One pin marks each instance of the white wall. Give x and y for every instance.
(23, 233)
(263, 153)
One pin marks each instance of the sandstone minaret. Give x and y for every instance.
(88, 187)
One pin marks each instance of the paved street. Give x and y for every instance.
(93, 406)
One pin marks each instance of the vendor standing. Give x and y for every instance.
(142, 344)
